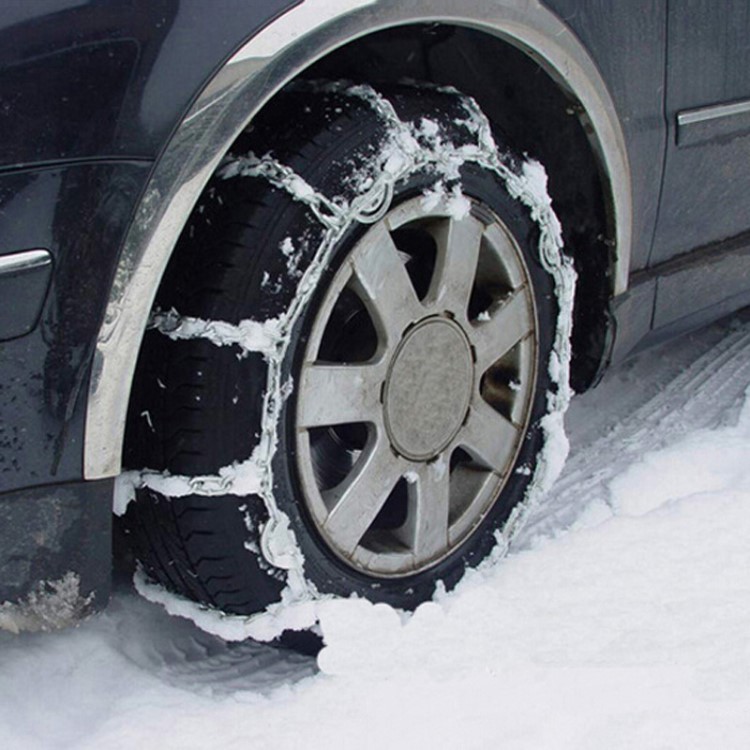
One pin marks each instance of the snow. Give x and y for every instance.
(241, 478)
(249, 335)
(618, 619)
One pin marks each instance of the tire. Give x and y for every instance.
(412, 428)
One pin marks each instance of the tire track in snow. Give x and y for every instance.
(697, 398)
(178, 653)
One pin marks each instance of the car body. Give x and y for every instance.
(114, 116)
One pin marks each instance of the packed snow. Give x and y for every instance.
(619, 619)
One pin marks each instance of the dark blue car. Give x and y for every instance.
(296, 293)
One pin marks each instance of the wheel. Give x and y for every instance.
(399, 405)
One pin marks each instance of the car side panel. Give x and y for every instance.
(100, 79)
(627, 40)
(707, 179)
(79, 213)
(82, 85)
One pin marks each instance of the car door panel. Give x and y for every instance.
(706, 179)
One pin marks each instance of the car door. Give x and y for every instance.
(707, 176)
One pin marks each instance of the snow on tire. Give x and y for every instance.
(357, 367)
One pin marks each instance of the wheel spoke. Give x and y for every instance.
(505, 250)
(339, 394)
(510, 322)
(357, 501)
(489, 437)
(381, 278)
(429, 499)
(524, 386)
(458, 254)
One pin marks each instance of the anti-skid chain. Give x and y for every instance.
(407, 149)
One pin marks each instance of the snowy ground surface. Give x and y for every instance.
(621, 618)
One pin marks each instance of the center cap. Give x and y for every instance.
(428, 389)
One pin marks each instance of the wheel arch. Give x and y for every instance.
(282, 51)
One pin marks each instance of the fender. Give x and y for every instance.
(248, 80)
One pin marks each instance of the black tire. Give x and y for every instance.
(204, 403)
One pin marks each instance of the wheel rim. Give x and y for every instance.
(416, 388)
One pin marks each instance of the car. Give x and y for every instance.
(294, 293)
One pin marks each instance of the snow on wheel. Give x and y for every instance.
(364, 342)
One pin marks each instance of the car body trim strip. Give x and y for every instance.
(266, 63)
(713, 122)
(24, 261)
(714, 112)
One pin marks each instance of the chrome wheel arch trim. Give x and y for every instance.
(268, 61)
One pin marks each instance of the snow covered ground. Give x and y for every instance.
(621, 618)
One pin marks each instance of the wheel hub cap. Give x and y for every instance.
(428, 389)
(416, 387)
